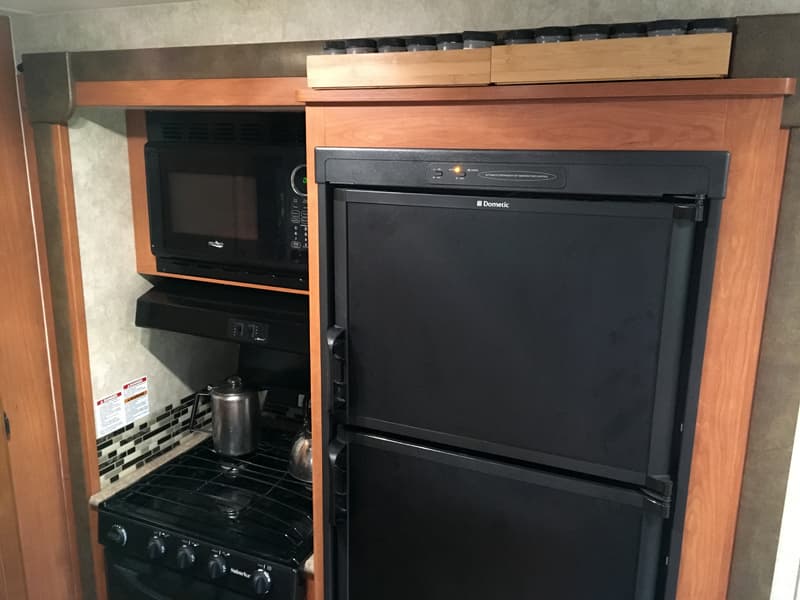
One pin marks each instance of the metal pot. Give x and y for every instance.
(235, 417)
(300, 455)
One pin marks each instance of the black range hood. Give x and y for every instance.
(266, 319)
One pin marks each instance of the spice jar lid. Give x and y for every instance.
(592, 29)
(519, 34)
(361, 43)
(628, 29)
(553, 32)
(445, 38)
(667, 24)
(392, 41)
(421, 40)
(481, 36)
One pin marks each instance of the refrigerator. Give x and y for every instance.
(512, 346)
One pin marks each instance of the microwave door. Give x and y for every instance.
(204, 202)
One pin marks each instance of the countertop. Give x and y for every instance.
(190, 441)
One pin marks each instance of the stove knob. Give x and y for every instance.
(155, 548)
(185, 557)
(262, 582)
(117, 535)
(217, 567)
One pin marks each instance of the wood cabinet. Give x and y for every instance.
(742, 117)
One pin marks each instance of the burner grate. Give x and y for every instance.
(250, 504)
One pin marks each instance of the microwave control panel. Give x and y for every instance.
(298, 222)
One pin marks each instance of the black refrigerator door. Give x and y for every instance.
(547, 330)
(434, 525)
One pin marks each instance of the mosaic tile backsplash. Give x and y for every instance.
(131, 447)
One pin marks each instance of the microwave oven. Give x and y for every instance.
(226, 195)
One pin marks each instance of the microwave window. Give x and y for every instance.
(224, 206)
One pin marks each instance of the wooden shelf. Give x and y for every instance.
(705, 88)
(244, 284)
(670, 57)
(192, 93)
(400, 69)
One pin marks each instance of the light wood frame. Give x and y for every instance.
(700, 115)
(742, 116)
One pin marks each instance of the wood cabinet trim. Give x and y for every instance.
(52, 342)
(746, 125)
(249, 92)
(700, 88)
(62, 161)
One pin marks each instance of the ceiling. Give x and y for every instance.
(58, 6)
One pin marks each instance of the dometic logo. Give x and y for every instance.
(240, 573)
(490, 204)
(216, 244)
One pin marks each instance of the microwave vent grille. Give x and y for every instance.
(224, 132)
(231, 128)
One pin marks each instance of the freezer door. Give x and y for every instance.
(435, 525)
(547, 330)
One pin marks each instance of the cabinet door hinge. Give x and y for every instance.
(691, 208)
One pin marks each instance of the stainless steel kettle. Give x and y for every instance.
(235, 417)
(300, 455)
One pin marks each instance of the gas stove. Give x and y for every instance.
(206, 526)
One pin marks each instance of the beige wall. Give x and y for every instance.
(239, 21)
(119, 351)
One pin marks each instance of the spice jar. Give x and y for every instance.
(449, 41)
(333, 47)
(478, 39)
(667, 27)
(391, 45)
(550, 35)
(420, 43)
(362, 46)
(582, 33)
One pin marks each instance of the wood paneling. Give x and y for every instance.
(145, 260)
(35, 448)
(12, 569)
(400, 69)
(726, 88)
(748, 126)
(77, 327)
(192, 93)
(667, 57)
(738, 302)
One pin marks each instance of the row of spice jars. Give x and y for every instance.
(665, 27)
(543, 35)
(417, 43)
